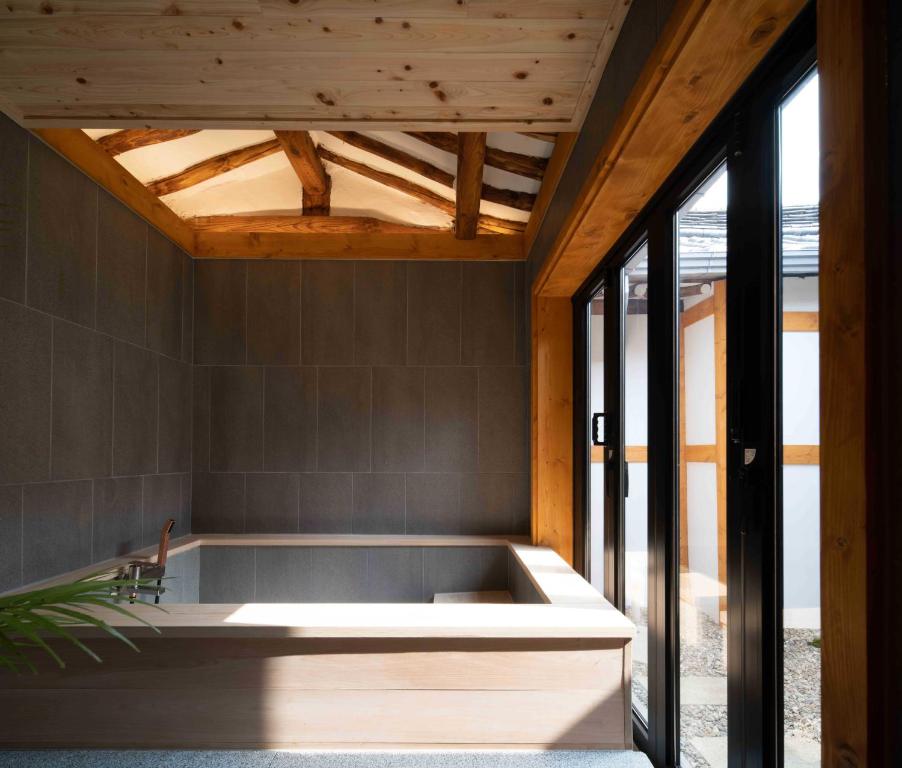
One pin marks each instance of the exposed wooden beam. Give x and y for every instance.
(513, 162)
(398, 156)
(87, 155)
(489, 223)
(306, 225)
(212, 167)
(523, 201)
(135, 138)
(428, 246)
(684, 85)
(470, 162)
(549, 137)
(316, 186)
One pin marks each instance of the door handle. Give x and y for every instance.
(595, 419)
(626, 479)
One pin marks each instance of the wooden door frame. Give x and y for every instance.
(684, 85)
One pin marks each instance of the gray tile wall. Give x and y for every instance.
(342, 574)
(360, 397)
(96, 337)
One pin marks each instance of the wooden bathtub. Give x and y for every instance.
(550, 674)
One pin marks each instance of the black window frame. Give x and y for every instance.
(745, 137)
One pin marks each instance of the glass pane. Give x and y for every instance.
(801, 473)
(596, 463)
(635, 408)
(701, 249)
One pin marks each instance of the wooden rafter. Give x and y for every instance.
(470, 162)
(135, 138)
(486, 223)
(398, 156)
(522, 201)
(316, 185)
(513, 162)
(306, 225)
(212, 167)
(549, 137)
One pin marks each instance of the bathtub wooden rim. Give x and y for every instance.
(572, 609)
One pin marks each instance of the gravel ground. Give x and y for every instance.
(707, 657)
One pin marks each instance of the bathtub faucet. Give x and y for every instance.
(138, 570)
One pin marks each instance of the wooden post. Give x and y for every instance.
(720, 424)
(552, 425)
(470, 162)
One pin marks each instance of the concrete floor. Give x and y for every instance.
(310, 759)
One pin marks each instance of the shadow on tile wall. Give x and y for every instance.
(95, 370)
(360, 397)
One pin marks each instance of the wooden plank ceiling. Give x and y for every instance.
(467, 65)
(327, 121)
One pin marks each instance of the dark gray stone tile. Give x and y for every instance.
(162, 501)
(326, 503)
(274, 312)
(56, 528)
(236, 419)
(289, 430)
(186, 484)
(503, 420)
(25, 387)
(489, 313)
(450, 419)
(463, 569)
(378, 503)
(343, 419)
(121, 271)
(339, 574)
(62, 236)
(284, 575)
(521, 588)
(174, 415)
(13, 193)
(117, 517)
(183, 574)
(433, 313)
(135, 411)
(490, 503)
(164, 295)
(433, 504)
(187, 309)
(522, 297)
(10, 532)
(200, 419)
(380, 312)
(327, 313)
(227, 575)
(272, 503)
(217, 502)
(395, 575)
(219, 312)
(82, 441)
(399, 433)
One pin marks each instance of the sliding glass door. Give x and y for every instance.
(700, 402)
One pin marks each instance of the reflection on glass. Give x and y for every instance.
(635, 408)
(596, 464)
(701, 248)
(799, 198)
